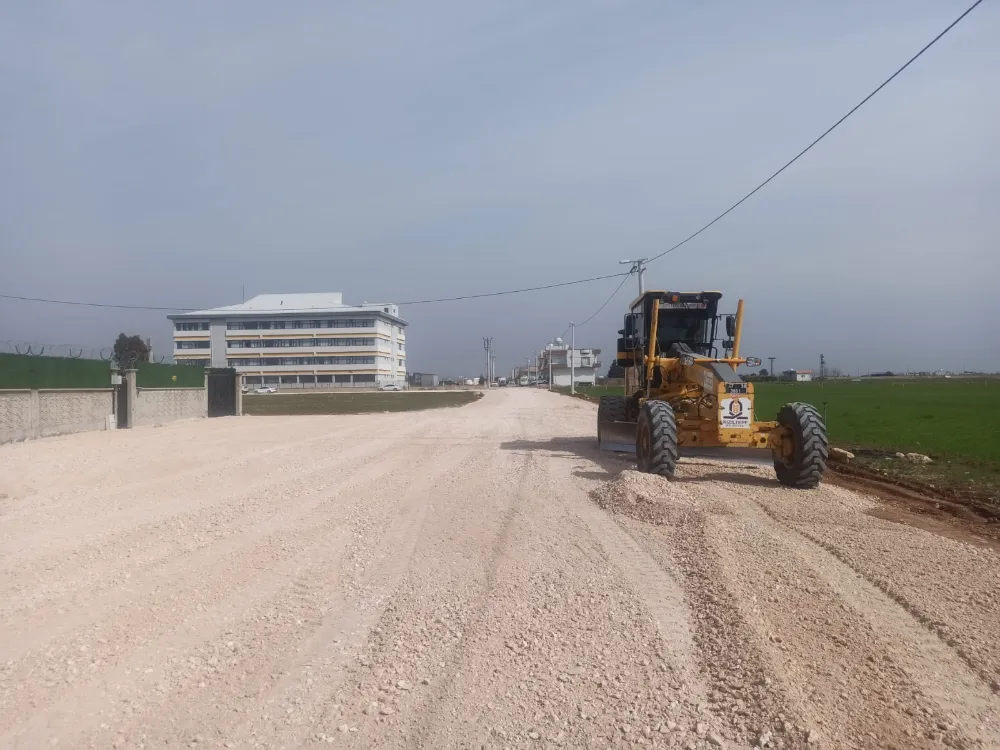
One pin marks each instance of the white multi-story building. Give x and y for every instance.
(582, 363)
(297, 340)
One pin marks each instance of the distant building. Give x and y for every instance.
(799, 376)
(584, 362)
(424, 379)
(301, 340)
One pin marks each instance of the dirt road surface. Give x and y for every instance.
(471, 577)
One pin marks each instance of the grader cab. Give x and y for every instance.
(682, 398)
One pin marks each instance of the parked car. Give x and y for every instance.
(266, 389)
(390, 387)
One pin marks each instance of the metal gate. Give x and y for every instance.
(221, 392)
(121, 403)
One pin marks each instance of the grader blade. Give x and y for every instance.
(617, 436)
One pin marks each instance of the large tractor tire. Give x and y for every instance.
(804, 469)
(610, 409)
(656, 439)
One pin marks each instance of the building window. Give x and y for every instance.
(254, 325)
(178, 326)
(193, 344)
(194, 362)
(309, 343)
(298, 361)
(364, 378)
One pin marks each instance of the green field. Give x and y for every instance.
(954, 419)
(366, 402)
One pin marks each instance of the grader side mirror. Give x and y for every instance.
(730, 325)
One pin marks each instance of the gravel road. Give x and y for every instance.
(471, 577)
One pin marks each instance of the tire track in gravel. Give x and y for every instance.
(742, 696)
(60, 580)
(127, 504)
(351, 698)
(968, 646)
(250, 537)
(121, 482)
(432, 711)
(315, 536)
(114, 643)
(921, 652)
(659, 590)
(303, 671)
(857, 664)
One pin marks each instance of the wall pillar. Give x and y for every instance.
(34, 413)
(131, 394)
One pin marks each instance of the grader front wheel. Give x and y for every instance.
(656, 439)
(803, 463)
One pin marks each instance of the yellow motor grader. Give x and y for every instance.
(683, 399)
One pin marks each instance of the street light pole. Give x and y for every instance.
(488, 346)
(549, 348)
(572, 358)
(638, 266)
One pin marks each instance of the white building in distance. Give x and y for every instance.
(584, 362)
(300, 340)
(799, 376)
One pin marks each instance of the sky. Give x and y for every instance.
(177, 154)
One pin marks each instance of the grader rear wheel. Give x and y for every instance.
(656, 439)
(804, 468)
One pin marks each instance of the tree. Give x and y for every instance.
(764, 373)
(129, 350)
(616, 370)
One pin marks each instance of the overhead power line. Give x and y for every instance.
(94, 304)
(608, 300)
(408, 302)
(514, 291)
(825, 133)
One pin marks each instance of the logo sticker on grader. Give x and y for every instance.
(735, 412)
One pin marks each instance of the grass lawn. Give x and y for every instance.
(953, 421)
(275, 404)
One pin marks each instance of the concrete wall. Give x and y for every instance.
(16, 409)
(37, 413)
(161, 405)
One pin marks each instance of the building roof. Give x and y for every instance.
(288, 304)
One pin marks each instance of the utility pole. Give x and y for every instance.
(771, 360)
(488, 346)
(822, 367)
(572, 354)
(549, 348)
(638, 266)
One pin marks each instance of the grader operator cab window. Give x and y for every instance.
(691, 327)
